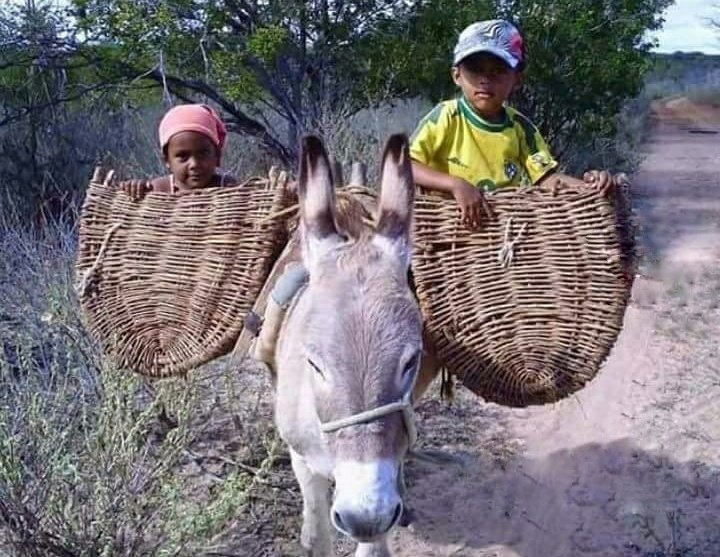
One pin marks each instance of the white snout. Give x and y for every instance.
(367, 503)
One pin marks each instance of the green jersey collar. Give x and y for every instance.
(476, 120)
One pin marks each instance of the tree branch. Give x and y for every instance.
(23, 111)
(238, 121)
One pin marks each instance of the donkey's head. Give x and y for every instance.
(362, 339)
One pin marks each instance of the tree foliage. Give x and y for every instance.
(273, 67)
(586, 58)
(278, 68)
(55, 109)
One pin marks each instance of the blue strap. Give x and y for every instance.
(293, 278)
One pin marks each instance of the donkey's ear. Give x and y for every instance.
(395, 212)
(317, 200)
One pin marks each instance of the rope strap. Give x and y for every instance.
(403, 405)
(507, 251)
(89, 275)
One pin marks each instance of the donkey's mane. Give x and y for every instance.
(355, 209)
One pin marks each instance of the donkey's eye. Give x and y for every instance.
(316, 368)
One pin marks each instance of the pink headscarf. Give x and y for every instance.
(192, 118)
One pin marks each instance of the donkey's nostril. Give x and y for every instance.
(365, 526)
(396, 515)
(339, 524)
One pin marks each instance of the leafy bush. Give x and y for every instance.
(278, 70)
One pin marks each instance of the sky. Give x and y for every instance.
(686, 27)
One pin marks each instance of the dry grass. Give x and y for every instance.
(672, 546)
(708, 96)
(94, 462)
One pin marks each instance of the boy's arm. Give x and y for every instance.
(557, 178)
(600, 180)
(541, 166)
(474, 207)
(434, 179)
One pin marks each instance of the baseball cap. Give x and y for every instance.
(496, 36)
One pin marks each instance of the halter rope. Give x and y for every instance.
(404, 405)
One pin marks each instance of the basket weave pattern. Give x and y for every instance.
(525, 310)
(165, 282)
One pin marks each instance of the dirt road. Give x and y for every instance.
(631, 465)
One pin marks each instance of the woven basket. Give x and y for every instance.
(165, 282)
(525, 310)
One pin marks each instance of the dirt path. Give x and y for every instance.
(631, 465)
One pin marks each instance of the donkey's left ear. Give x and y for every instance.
(316, 193)
(395, 211)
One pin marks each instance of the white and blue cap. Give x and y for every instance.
(496, 36)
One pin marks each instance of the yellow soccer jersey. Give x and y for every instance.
(453, 139)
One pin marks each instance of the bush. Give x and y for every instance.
(47, 176)
(94, 462)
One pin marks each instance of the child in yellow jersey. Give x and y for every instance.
(476, 143)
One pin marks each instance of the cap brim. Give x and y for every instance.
(506, 57)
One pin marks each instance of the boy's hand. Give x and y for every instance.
(601, 180)
(473, 205)
(136, 189)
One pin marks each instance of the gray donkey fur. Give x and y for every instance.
(352, 342)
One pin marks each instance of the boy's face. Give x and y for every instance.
(192, 158)
(486, 82)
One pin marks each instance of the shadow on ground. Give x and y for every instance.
(614, 500)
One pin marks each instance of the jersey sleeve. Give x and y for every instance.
(427, 137)
(534, 151)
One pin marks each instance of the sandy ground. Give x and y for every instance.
(631, 464)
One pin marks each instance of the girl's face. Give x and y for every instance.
(192, 158)
(486, 82)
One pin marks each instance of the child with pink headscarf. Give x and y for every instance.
(192, 137)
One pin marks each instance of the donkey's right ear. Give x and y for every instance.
(316, 193)
(397, 195)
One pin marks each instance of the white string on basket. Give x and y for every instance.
(506, 254)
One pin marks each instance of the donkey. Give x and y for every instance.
(348, 358)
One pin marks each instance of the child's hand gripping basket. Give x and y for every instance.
(526, 309)
(165, 282)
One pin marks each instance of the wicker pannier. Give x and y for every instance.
(165, 282)
(525, 310)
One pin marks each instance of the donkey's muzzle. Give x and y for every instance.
(367, 501)
(365, 526)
